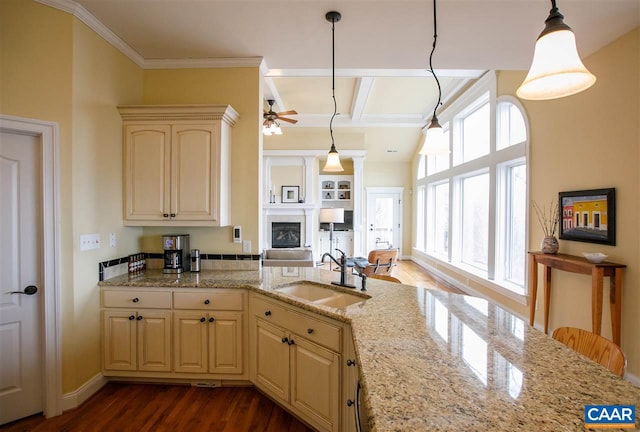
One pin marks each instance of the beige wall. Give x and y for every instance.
(53, 68)
(103, 78)
(240, 88)
(587, 141)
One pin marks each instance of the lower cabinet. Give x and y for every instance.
(137, 340)
(298, 372)
(208, 342)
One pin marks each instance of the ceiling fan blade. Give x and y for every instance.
(290, 112)
(264, 111)
(284, 119)
(266, 122)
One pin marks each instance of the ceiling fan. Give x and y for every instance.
(270, 124)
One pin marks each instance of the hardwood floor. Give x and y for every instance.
(172, 408)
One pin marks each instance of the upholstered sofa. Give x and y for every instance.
(287, 257)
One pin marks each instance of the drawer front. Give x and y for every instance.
(310, 328)
(209, 300)
(317, 331)
(137, 299)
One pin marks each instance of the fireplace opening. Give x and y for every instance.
(285, 234)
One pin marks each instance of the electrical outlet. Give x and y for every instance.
(112, 240)
(89, 242)
(246, 246)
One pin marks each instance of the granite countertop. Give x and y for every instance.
(437, 361)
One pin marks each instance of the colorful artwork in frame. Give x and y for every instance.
(588, 216)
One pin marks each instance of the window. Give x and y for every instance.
(438, 163)
(475, 208)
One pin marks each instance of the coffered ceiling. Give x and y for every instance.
(383, 88)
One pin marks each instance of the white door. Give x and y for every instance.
(21, 385)
(384, 218)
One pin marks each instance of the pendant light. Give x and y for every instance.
(556, 70)
(333, 159)
(434, 142)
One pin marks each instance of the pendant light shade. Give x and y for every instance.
(434, 142)
(333, 159)
(556, 70)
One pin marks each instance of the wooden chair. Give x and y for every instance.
(593, 346)
(381, 261)
(385, 278)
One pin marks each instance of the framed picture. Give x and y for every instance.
(588, 216)
(290, 194)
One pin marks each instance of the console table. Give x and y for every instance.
(575, 264)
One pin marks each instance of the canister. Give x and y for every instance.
(195, 260)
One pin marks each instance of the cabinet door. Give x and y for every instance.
(154, 341)
(225, 343)
(190, 346)
(349, 384)
(147, 155)
(119, 340)
(195, 170)
(315, 384)
(271, 367)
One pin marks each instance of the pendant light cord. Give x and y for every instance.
(333, 80)
(435, 39)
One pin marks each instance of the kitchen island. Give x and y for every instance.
(431, 360)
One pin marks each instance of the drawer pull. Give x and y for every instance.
(207, 301)
(351, 362)
(212, 319)
(135, 300)
(292, 342)
(132, 317)
(285, 340)
(203, 319)
(267, 313)
(310, 330)
(350, 402)
(165, 214)
(139, 317)
(173, 215)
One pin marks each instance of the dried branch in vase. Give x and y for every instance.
(548, 219)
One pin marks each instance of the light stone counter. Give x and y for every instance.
(434, 361)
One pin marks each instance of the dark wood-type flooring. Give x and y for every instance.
(171, 408)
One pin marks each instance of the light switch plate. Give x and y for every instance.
(237, 234)
(89, 242)
(246, 246)
(112, 240)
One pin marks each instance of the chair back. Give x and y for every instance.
(385, 278)
(381, 261)
(596, 347)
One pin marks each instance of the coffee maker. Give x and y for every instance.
(176, 253)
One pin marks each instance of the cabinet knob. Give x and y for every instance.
(285, 340)
(267, 313)
(207, 301)
(309, 330)
(135, 300)
(203, 319)
(212, 319)
(351, 362)
(173, 215)
(350, 402)
(139, 317)
(292, 342)
(132, 317)
(165, 214)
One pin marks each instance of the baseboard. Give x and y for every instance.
(85, 391)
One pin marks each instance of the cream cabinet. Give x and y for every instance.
(175, 333)
(295, 358)
(136, 339)
(342, 240)
(176, 164)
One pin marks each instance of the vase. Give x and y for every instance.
(549, 245)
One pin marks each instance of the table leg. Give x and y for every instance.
(533, 288)
(547, 296)
(597, 275)
(615, 303)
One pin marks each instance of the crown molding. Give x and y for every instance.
(73, 8)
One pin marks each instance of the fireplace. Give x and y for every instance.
(285, 234)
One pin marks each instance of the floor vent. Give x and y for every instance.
(209, 384)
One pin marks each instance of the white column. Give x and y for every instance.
(359, 248)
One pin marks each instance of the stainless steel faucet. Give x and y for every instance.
(343, 268)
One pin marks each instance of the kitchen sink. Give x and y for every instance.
(321, 294)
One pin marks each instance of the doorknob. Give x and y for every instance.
(30, 290)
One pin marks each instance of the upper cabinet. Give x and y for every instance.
(336, 191)
(176, 164)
